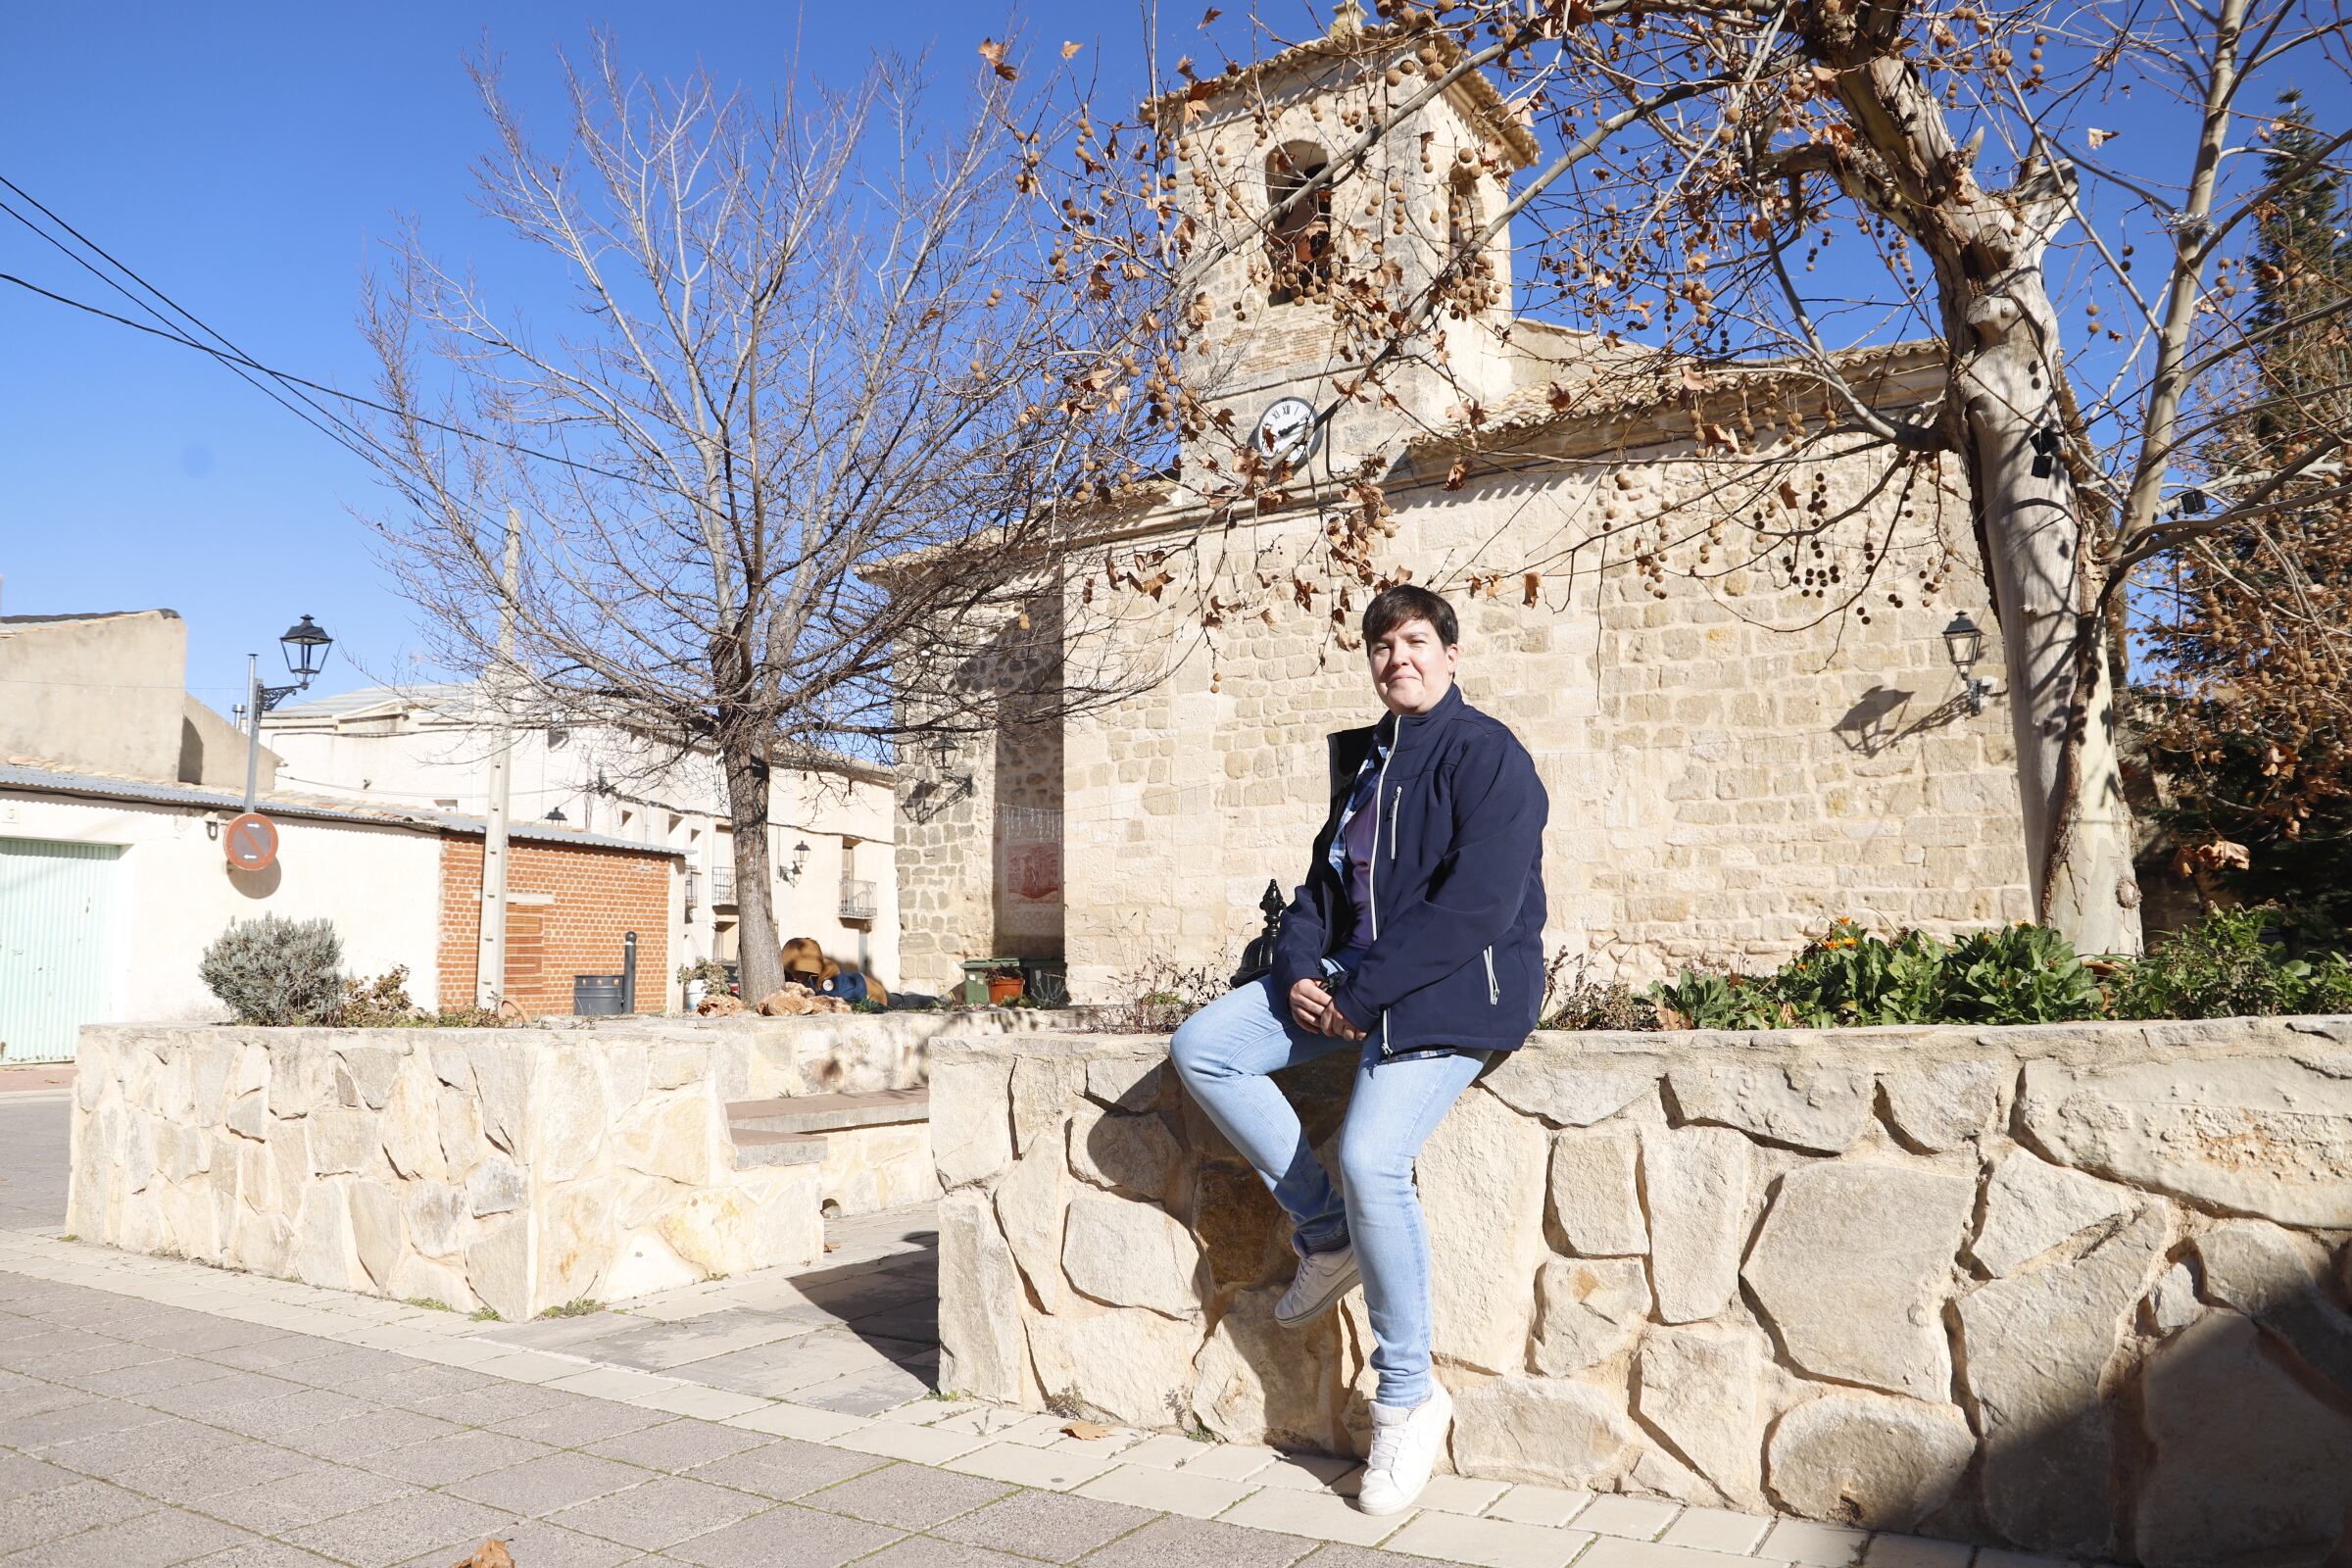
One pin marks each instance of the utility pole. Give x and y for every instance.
(490, 959)
(253, 726)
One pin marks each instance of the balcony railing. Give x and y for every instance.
(857, 901)
(723, 886)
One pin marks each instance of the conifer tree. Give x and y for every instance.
(2250, 631)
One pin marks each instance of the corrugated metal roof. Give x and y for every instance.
(103, 787)
(455, 699)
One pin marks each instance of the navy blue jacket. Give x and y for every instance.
(1457, 887)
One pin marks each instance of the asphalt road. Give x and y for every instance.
(33, 1162)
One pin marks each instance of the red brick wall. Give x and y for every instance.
(597, 895)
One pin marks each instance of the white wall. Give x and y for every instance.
(678, 804)
(174, 893)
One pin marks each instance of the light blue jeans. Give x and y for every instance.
(1224, 1051)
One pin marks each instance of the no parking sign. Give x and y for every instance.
(251, 841)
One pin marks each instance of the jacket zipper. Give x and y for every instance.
(1372, 872)
(1493, 990)
(1395, 809)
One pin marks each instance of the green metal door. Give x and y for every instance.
(57, 944)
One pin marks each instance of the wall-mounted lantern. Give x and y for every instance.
(1964, 642)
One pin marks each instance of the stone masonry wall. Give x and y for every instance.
(980, 846)
(513, 1168)
(1724, 776)
(2072, 1289)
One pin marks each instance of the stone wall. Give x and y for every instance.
(979, 857)
(1728, 771)
(513, 1168)
(2070, 1290)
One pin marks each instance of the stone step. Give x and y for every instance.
(829, 1114)
(755, 1148)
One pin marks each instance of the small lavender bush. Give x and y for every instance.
(275, 971)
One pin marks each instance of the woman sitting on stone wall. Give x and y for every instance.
(1416, 941)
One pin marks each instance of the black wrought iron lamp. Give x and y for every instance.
(306, 644)
(1963, 643)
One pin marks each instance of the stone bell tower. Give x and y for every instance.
(1261, 326)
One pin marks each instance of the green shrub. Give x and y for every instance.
(2232, 965)
(275, 971)
(1848, 978)
(2330, 988)
(2022, 973)
(1700, 999)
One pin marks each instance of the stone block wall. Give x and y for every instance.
(980, 846)
(2070, 1290)
(513, 1168)
(1728, 771)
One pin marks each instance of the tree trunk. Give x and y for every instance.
(2009, 423)
(2045, 584)
(743, 758)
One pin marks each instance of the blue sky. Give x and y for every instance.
(244, 159)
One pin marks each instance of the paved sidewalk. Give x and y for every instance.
(155, 1412)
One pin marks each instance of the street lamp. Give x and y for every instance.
(800, 858)
(306, 644)
(1963, 643)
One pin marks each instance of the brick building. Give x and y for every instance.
(569, 910)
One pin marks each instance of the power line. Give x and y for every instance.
(169, 332)
(240, 362)
(236, 361)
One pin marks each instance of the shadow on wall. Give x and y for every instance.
(1887, 1322)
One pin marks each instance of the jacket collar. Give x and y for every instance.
(1346, 748)
(1406, 726)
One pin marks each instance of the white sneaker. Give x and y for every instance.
(1404, 1450)
(1322, 1279)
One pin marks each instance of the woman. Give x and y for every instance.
(1417, 942)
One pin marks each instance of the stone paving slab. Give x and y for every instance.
(156, 1413)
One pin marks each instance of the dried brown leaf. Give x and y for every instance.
(1091, 1431)
(491, 1554)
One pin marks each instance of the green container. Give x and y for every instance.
(972, 991)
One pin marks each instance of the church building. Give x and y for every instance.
(1734, 760)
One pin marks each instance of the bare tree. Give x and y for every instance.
(808, 423)
(1699, 156)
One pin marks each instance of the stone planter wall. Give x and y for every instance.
(2070, 1290)
(513, 1168)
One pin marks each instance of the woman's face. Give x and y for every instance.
(1413, 667)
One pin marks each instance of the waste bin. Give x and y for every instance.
(599, 996)
(972, 992)
(1045, 981)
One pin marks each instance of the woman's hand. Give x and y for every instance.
(1309, 1003)
(1312, 1006)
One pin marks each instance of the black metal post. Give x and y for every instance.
(1258, 957)
(628, 973)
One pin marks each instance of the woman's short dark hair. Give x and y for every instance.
(1392, 607)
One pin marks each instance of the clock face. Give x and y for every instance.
(1287, 432)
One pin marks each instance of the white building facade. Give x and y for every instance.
(831, 821)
